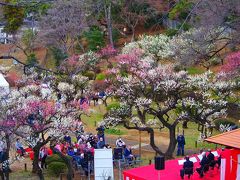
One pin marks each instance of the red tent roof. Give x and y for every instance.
(231, 139)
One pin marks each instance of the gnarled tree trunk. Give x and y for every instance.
(36, 169)
(172, 143)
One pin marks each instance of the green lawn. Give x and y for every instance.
(195, 70)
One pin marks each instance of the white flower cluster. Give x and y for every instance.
(143, 102)
(66, 87)
(201, 81)
(189, 102)
(5, 69)
(152, 122)
(192, 45)
(225, 128)
(32, 141)
(80, 78)
(137, 122)
(167, 85)
(129, 47)
(60, 125)
(158, 46)
(30, 89)
(110, 121)
(91, 58)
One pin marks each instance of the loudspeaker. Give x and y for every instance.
(89, 156)
(159, 163)
(117, 153)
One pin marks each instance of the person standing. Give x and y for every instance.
(43, 155)
(100, 132)
(1, 150)
(181, 144)
(100, 143)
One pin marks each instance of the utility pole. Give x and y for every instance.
(140, 143)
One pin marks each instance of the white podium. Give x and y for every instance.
(103, 164)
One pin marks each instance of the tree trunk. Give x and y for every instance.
(133, 34)
(36, 149)
(184, 125)
(172, 143)
(105, 102)
(152, 142)
(7, 155)
(36, 169)
(107, 9)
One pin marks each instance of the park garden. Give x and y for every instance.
(143, 71)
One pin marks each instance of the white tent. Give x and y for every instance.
(4, 86)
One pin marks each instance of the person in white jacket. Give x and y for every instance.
(120, 142)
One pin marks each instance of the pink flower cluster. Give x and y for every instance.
(46, 108)
(108, 51)
(233, 63)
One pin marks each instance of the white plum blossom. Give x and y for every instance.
(110, 121)
(136, 121)
(152, 122)
(79, 78)
(91, 58)
(66, 87)
(30, 89)
(225, 128)
(143, 102)
(157, 46)
(197, 45)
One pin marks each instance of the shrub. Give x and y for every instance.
(180, 10)
(58, 55)
(215, 61)
(113, 106)
(153, 20)
(171, 32)
(116, 35)
(179, 67)
(224, 122)
(95, 38)
(56, 168)
(53, 158)
(100, 76)
(32, 59)
(90, 75)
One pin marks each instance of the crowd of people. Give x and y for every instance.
(81, 150)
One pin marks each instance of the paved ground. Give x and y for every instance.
(145, 147)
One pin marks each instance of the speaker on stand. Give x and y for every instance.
(159, 164)
(118, 155)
